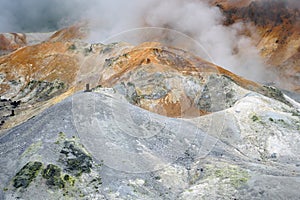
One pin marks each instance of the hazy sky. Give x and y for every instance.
(43, 15)
(39, 15)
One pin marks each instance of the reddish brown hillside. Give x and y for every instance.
(276, 33)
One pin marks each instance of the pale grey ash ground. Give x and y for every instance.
(88, 139)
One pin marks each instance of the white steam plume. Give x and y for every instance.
(193, 17)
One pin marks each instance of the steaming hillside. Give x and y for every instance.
(36, 77)
(258, 39)
(217, 135)
(276, 33)
(147, 114)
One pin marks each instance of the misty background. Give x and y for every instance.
(224, 45)
(39, 15)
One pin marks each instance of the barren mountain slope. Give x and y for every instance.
(95, 145)
(148, 121)
(276, 32)
(32, 76)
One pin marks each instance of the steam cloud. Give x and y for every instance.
(195, 18)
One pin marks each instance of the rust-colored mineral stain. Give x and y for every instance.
(70, 33)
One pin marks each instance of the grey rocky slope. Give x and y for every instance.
(96, 145)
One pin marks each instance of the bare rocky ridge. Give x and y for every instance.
(152, 76)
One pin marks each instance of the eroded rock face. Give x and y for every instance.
(75, 160)
(161, 79)
(276, 30)
(52, 174)
(27, 174)
(12, 41)
(253, 150)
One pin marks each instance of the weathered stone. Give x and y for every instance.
(75, 160)
(26, 175)
(53, 175)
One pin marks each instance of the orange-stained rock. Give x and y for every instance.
(12, 41)
(75, 32)
(276, 33)
(161, 79)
